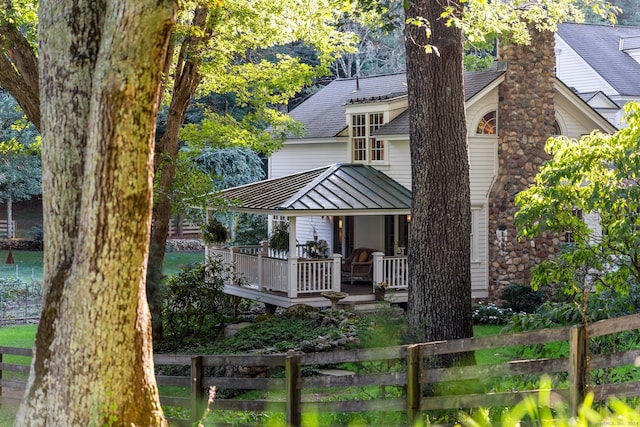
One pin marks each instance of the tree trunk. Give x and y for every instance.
(439, 255)
(186, 80)
(10, 230)
(100, 69)
(19, 71)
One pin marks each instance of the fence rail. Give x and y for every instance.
(410, 375)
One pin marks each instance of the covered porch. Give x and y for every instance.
(330, 202)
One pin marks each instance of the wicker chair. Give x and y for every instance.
(359, 265)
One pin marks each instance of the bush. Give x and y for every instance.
(194, 303)
(521, 298)
(490, 314)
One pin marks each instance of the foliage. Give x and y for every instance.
(521, 298)
(279, 238)
(193, 304)
(20, 166)
(250, 229)
(214, 232)
(284, 333)
(596, 175)
(316, 248)
(490, 314)
(37, 233)
(514, 20)
(545, 409)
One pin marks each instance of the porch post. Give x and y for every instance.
(377, 268)
(260, 272)
(293, 259)
(336, 277)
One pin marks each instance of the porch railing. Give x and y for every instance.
(393, 270)
(295, 276)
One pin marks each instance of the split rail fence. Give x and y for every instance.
(287, 390)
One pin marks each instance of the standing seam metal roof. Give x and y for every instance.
(338, 187)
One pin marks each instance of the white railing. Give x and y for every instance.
(275, 274)
(4, 231)
(305, 276)
(315, 275)
(395, 272)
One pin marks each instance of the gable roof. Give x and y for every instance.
(599, 46)
(474, 83)
(332, 189)
(323, 114)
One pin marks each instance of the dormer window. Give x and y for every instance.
(488, 124)
(367, 148)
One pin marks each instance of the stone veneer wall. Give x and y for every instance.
(526, 117)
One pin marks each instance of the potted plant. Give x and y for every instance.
(316, 248)
(214, 232)
(380, 290)
(279, 239)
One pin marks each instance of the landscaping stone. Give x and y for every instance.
(231, 330)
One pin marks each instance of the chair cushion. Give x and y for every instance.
(364, 255)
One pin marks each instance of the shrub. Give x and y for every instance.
(36, 233)
(491, 314)
(194, 303)
(521, 298)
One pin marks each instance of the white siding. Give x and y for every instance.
(575, 72)
(369, 231)
(480, 268)
(573, 122)
(301, 157)
(399, 167)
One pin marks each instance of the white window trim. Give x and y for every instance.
(475, 234)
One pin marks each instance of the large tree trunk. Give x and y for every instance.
(186, 79)
(439, 255)
(100, 68)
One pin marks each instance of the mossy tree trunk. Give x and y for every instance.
(100, 69)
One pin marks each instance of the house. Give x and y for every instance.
(601, 63)
(347, 181)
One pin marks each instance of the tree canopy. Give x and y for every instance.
(597, 177)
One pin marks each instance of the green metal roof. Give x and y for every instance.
(345, 189)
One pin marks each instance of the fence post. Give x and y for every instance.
(292, 379)
(577, 367)
(414, 389)
(1, 354)
(196, 389)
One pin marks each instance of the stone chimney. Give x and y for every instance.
(526, 117)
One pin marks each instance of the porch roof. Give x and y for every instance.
(338, 189)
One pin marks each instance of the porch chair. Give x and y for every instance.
(359, 265)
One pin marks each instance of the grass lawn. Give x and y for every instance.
(28, 266)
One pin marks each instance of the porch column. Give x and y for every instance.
(336, 277)
(293, 259)
(377, 268)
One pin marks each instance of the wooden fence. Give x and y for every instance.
(287, 390)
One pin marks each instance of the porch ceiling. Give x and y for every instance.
(338, 189)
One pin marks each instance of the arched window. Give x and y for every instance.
(488, 125)
(556, 128)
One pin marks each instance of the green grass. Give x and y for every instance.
(28, 264)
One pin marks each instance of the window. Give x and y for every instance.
(365, 147)
(488, 124)
(556, 128)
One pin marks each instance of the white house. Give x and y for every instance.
(601, 63)
(348, 181)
